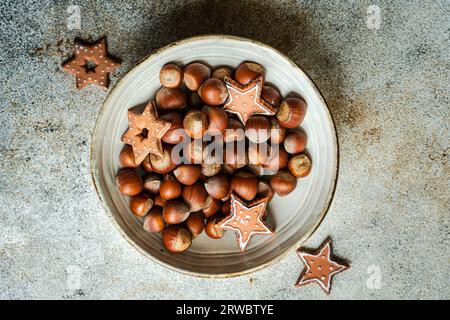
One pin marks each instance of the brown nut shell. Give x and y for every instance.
(194, 196)
(221, 73)
(152, 182)
(295, 142)
(212, 206)
(171, 75)
(247, 72)
(300, 165)
(170, 188)
(129, 182)
(234, 156)
(234, 132)
(154, 221)
(194, 151)
(126, 158)
(194, 74)
(213, 92)
(176, 239)
(265, 190)
(195, 123)
(218, 186)
(245, 185)
(141, 204)
(163, 164)
(217, 119)
(278, 159)
(212, 228)
(257, 129)
(195, 223)
(291, 112)
(187, 174)
(170, 98)
(175, 212)
(283, 183)
(271, 96)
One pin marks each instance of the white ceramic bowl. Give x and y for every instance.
(295, 216)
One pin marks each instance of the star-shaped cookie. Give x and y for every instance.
(320, 268)
(246, 220)
(145, 132)
(91, 64)
(244, 101)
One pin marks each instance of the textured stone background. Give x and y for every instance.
(388, 90)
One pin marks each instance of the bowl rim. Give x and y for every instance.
(124, 234)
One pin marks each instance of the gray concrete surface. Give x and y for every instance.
(387, 87)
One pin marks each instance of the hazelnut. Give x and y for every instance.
(141, 204)
(283, 183)
(212, 162)
(295, 142)
(271, 96)
(194, 74)
(210, 168)
(217, 119)
(278, 159)
(129, 182)
(258, 154)
(170, 188)
(300, 165)
(195, 123)
(154, 221)
(176, 133)
(175, 212)
(213, 229)
(194, 196)
(195, 224)
(171, 75)
(247, 72)
(163, 164)
(257, 129)
(187, 174)
(265, 190)
(213, 92)
(212, 206)
(126, 158)
(234, 132)
(152, 182)
(277, 132)
(176, 239)
(245, 185)
(194, 151)
(291, 112)
(217, 186)
(234, 156)
(170, 98)
(145, 164)
(221, 73)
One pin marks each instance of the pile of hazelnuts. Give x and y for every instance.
(182, 200)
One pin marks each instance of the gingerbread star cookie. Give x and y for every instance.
(244, 101)
(145, 132)
(246, 220)
(320, 268)
(91, 64)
